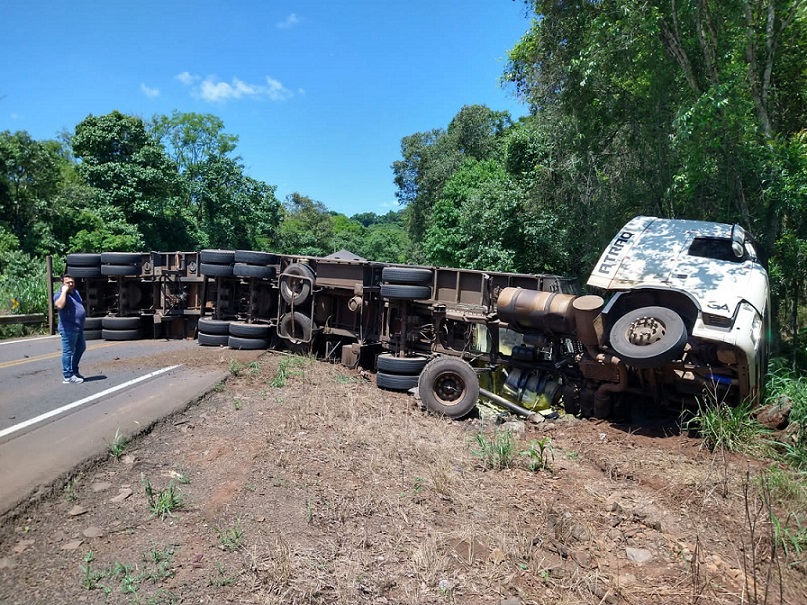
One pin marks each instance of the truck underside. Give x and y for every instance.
(527, 342)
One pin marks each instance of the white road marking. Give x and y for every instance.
(75, 404)
(13, 342)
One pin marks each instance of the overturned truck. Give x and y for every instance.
(677, 310)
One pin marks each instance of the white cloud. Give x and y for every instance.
(186, 78)
(149, 92)
(212, 90)
(276, 91)
(288, 22)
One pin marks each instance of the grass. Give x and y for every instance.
(164, 502)
(289, 367)
(231, 538)
(157, 566)
(787, 385)
(539, 454)
(70, 489)
(732, 429)
(496, 452)
(118, 445)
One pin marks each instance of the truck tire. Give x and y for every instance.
(295, 327)
(296, 291)
(212, 270)
(93, 323)
(449, 386)
(406, 275)
(83, 259)
(247, 344)
(252, 257)
(121, 258)
(245, 270)
(246, 330)
(213, 326)
(120, 269)
(122, 334)
(405, 292)
(213, 340)
(648, 336)
(404, 366)
(120, 323)
(217, 257)
(395, 382)
(80, 271)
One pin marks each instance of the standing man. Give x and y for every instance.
(71, 327)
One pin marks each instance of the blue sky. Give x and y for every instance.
(320, 93)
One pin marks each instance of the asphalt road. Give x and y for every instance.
(47, 428)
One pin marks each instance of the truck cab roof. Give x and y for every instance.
(714, 263)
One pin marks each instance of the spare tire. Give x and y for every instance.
(296, 283)
(295, 327)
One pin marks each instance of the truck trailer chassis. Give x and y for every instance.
(528, 342)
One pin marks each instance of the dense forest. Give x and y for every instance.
(685, 109)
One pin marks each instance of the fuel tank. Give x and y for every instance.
(537, 310)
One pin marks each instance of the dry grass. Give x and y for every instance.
(348, 494)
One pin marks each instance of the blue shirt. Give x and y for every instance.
(73, 314)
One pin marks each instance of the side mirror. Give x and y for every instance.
(738, 241)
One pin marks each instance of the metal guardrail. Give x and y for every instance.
(31, 318)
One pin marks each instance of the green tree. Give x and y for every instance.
(306, 228)
(132, 174)
(680, 109)
(431, 158)
(222, 206)
(30, 175)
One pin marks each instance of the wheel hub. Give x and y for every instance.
(646, 331)
(449, 388)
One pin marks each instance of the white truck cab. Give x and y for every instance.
(689, 300)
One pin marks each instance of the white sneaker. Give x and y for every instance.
(73, 380)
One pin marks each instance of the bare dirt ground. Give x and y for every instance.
(301, 482)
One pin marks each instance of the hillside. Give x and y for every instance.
(301, 482)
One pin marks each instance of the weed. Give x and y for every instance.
(118, 445)
(783, 383)
(91, 577)
(163, 502)
(539, 454)
(163, 562)
(732, 429)
(221, 579)
(158, 566)
(287, 368)
(419, 482)
(237, 404)
(70, 490)
(235, 367)
(218, 387)
(497, 452)
(182, 478)
(253, 368)
(231, 538)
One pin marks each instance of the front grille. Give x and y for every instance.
(717, 321)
